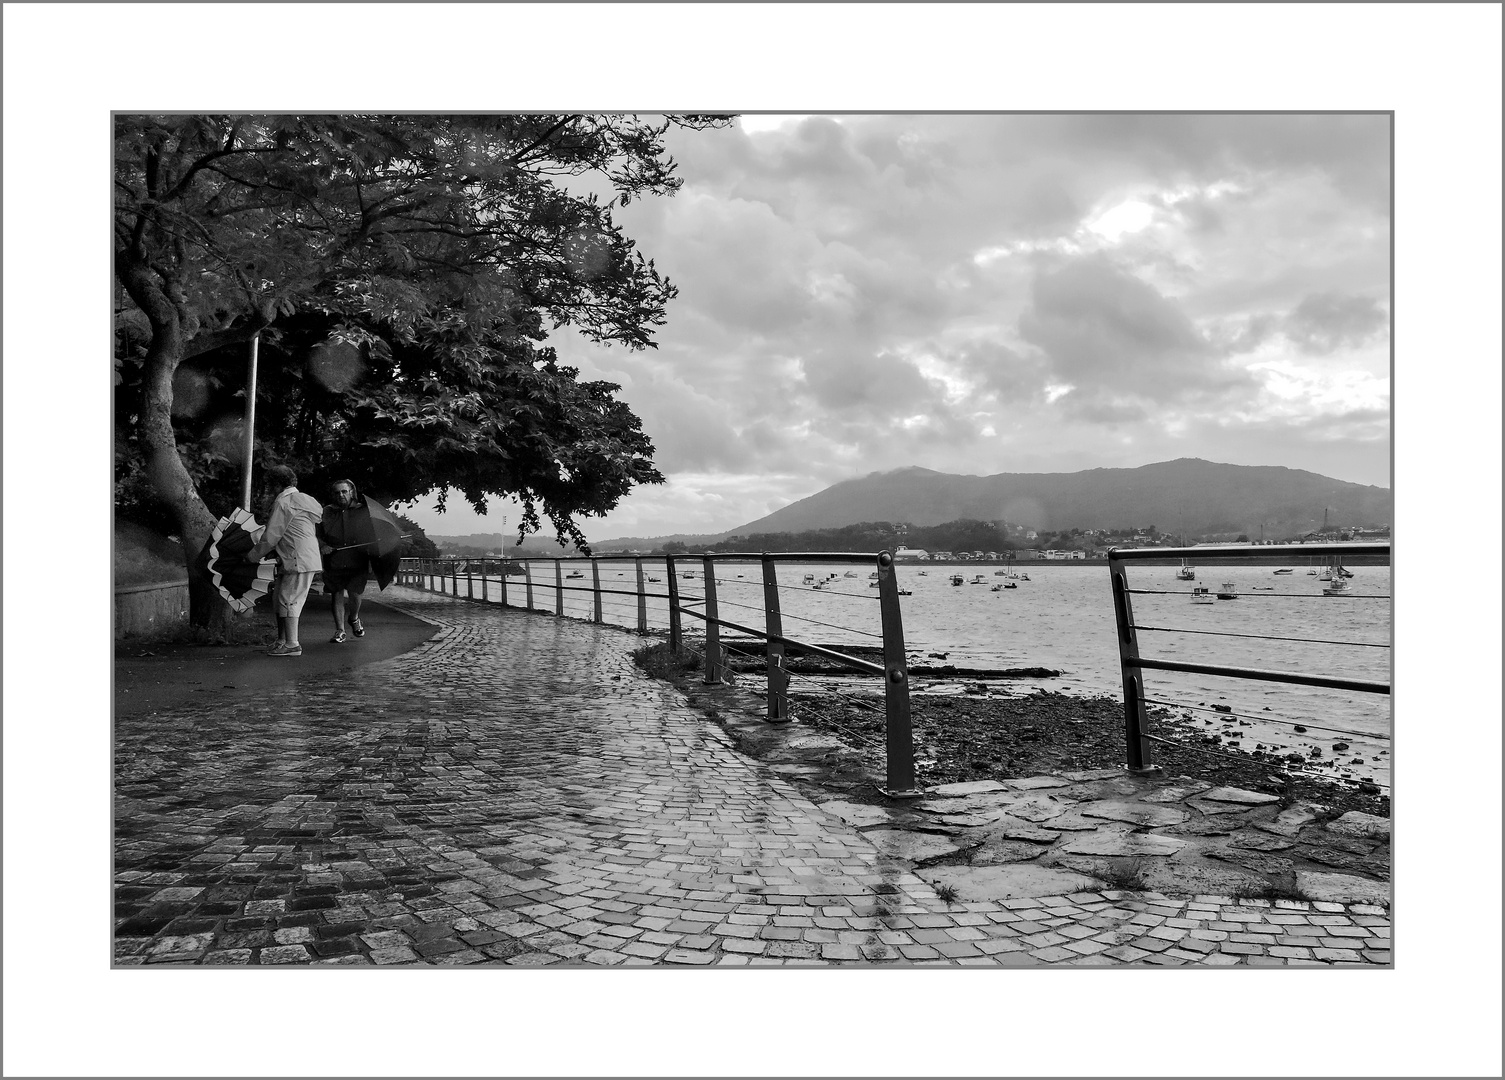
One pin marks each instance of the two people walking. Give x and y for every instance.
(308, 537)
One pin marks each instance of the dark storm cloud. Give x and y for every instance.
(1107, 332)
(879, 384)
(1325, 322)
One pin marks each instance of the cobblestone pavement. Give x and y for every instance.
(514, 791)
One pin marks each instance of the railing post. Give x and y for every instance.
(596, 588)
(1135, 719)
(485, 566)
(713, 666)
(502, 567)
(675, 636)
(778, 678)
(454, 577)
(528, 580)
(470, 582)
(559, 587)
(900, 772)
(642, 600)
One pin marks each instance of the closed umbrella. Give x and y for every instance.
(240, 582)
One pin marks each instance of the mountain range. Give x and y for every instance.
(1187, 496)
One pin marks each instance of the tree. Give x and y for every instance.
(456, 236)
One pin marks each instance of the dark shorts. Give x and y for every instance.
(351, 581)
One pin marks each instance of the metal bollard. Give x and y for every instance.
(596, 588)
(559, 588)
(528, 580)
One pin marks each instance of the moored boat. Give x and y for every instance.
(1228, 591)
(957, 579)
(1201, 595)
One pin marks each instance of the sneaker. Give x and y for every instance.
(282, 648)
(356, 628)
(338, 639)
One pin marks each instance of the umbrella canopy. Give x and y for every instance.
(240, 582)
(368, 530)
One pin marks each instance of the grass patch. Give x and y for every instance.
(1127, 875)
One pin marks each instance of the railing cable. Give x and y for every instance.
(1263, 637)
(1270, 717)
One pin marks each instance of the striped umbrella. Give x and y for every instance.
(239, 581)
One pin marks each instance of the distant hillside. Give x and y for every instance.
(484, 541)
(1187, 495)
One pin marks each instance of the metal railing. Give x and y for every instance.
(435, 574)
(1133, 664)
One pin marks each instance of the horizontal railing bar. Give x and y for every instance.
(737, 556)
(1283, 551)
(819, 650)
(1361, 685)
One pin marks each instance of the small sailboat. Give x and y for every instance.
(1187, 572)
(1337, 587)
(574, 574)
(1201, 595)
(979, 580)
(957, 579)
(853, 573)
(1336, 578)
(809, 579)
(905, 592)
(1228, 591)
(1287, 570)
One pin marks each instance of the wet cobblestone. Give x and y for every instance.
(515, 792)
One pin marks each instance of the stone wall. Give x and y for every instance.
(151, 610)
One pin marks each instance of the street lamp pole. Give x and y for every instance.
(250, 442)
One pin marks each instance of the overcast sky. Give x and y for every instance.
(1003, 293)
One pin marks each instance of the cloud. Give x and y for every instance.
(881, 384)
(1325, 322)
(978, 293)
(1106, 332)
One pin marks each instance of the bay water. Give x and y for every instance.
(1062, 619)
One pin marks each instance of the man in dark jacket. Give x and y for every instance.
(346, 523)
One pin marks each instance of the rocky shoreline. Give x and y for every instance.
(1028, 792)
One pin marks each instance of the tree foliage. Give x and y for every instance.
(404, 270)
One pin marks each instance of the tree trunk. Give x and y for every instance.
(165, 472)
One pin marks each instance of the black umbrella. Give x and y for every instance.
(240, 582)
(375, 533)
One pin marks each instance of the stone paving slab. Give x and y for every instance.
(515, 792)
